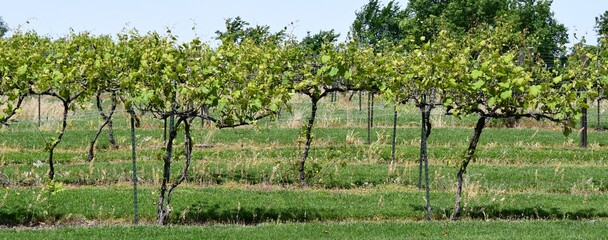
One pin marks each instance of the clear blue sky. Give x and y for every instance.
(56, 17)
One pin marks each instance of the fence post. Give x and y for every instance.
(134, 158)
(39, 113)
(584, 129)
(394, 133)
(584, 112)
(599, 120)
(369, 116)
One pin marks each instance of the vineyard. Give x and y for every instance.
(249, 175)
(264, 130)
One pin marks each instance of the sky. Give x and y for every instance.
(56, 17)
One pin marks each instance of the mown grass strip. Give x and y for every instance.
(257, 204)
(333, 230)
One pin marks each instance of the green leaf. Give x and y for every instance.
(325, 59)
(507, 58)
(492, 101)
(236, 94)
(22, 70)
(256, 103)
(478, 84)
(447, 101)
(333, 72)
(274, 107)
(476, 74)
(506, 94)
(535, 90)
(557, 79)
(348, 74)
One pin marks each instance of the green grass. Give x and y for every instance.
(258, 204)
(522, 183)
(334, 230)
(80, 138)
(328, 174)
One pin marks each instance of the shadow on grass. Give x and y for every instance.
(203, 213)
(485, 212)
(22, 216)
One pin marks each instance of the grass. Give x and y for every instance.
(251, 204)
(524, 181)
(328, 174)
(334, 230)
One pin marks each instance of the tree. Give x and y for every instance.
(110, 66)
(586, 64)
(14, 76)
(162, 83)
(534, 17)
(332, 68)
(601, 24)
(316, 79)
(375, 23)
(67, 75)
(3, 27)
(494, 81)
(240, 82)
(377, 26)
(417, 74)
(237, 30)
(313, 44)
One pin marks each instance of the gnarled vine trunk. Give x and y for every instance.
(107, 122)
(188, 153)
(481, 122)
(134, 161)
(53, 145)
(425, 131)
(162, 209)
(308, 135)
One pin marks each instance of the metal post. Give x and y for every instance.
(584, 128)
(134, 158)
(394, 134)
(39, 112)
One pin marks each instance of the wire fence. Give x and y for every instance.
(343, 111)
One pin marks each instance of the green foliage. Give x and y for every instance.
(601, 24)
(314, 43)
(375, 23)
(237, 31)
(426, 18)
(495, 76)
(3, 27)
(481, 68)
(53, 187)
